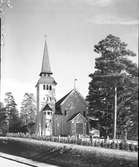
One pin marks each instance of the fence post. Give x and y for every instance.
(91, 139)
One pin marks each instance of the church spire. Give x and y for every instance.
(46, 69)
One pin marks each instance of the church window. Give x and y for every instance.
(49, 113)
(43, 87)
(47, 87)
(50, 87)
(65, 112)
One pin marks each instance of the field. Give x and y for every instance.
(68, 154)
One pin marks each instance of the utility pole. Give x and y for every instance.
(3, 5)
(115, 77)
(0, 58)
(115, 112)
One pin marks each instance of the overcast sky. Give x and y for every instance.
(73, 27)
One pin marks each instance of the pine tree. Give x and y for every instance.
(13, 114)
(1, 105)
(113, 69)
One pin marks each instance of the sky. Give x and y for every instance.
(72, 27)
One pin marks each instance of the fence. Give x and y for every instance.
(86, 141)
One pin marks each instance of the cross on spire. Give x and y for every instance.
(45, 36)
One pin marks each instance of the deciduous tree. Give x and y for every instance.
(28, 110)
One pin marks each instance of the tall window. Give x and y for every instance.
(49, 113)
(47, 87)
(65, 112)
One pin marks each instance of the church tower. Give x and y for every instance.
(45, 96)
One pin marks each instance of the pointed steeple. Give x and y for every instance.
(46, 69)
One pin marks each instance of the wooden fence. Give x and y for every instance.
(87, 141)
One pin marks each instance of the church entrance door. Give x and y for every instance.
(79, 128)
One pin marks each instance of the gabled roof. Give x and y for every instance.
(74, 115)
(63, 99)
(47, 107)
(57, 106)
(78, 93)
(46, 69)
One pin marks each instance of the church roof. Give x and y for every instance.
(46, 107)
(46, 80)
(74, 115)
(57, 106)
(63, 99)
(46, 69)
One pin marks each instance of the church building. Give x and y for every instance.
(67, 116)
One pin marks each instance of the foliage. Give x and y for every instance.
(114, 69)
(4, 122)
(12, 112)
(1, 105)
(28, 111)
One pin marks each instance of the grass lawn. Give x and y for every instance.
(68, 155)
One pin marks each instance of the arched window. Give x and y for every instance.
(43, 87)
(65, 112)
(47, 87)
(50, 87)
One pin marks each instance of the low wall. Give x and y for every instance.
(67, 155)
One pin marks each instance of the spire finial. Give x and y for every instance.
(45, 36)
(75, 80)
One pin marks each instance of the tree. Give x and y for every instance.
(12, 112)
(113, 61)
(28, 111)
(1, 105)
(4, 122)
